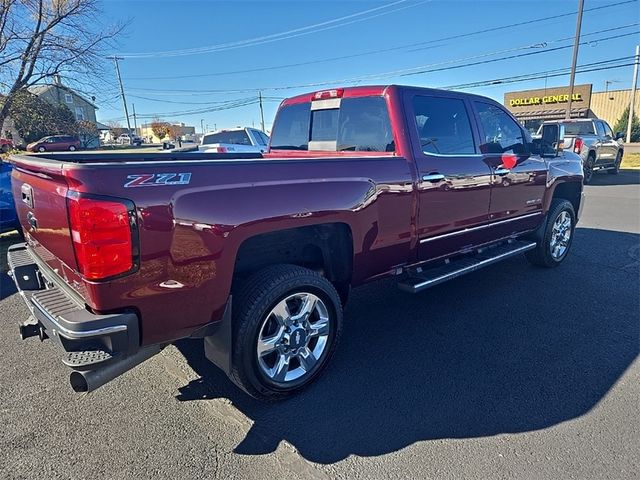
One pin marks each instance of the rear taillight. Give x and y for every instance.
(577, 145)
(221, 149)
(102, 235)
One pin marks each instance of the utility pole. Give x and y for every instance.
(634, 86)
(124, 100)
(576, 44)
(261, 111)
(202, 125)
(135, 121)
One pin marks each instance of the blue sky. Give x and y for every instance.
(159, 33)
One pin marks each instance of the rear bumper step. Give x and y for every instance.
(63, 319)
(429, 278)
(97, 347)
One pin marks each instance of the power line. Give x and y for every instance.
(395, 73)
(600, 65)
(386, 50)
(297, 32)
(162, 100)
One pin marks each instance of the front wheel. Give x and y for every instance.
(72, 148)
(41, 149)
(287, 322)
(616, 166)
(553, 246)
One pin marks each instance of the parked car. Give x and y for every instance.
(257, 254)
(8, 216)
(126, 139)
(595, 142)
(5, 145)
(234, 140)
(55, 143)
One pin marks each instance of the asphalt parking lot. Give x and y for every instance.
(511, 372)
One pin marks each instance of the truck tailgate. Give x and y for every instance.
(40, 190)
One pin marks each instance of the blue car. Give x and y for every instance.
(8, 216)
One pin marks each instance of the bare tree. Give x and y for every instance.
(40, 39)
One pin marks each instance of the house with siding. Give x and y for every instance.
(81, 107)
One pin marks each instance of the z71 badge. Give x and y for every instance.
(157, 179)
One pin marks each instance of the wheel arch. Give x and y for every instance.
(326, 248)
(571, 191)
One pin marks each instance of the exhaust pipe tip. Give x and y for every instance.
(83, 381)
(78, 382)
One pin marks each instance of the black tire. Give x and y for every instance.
(541, 255)
(42, 149)
(253, 301)
(72, 148)
(587, 168)
(616, 168)
(4, 148)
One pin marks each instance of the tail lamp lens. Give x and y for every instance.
(577, 145)
(102, 238)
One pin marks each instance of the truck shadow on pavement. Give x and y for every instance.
(510, 349)
(624, 177)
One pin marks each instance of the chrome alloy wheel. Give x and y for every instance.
(560, 235)
(293, 337)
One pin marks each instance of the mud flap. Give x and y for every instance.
(218, 345)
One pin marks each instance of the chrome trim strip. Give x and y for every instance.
(449, 155)
(483, 263)
(480, 227)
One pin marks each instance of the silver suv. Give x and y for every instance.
(595, 142)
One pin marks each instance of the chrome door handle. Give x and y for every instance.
(433, 177)
(502, 171)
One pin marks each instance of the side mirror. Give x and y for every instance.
(552, 139)
(619, 135)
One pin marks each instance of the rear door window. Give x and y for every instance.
(443, 126)
(599, 129)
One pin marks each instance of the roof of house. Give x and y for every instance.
(40, 89)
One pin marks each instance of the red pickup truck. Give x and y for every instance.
(126, 253)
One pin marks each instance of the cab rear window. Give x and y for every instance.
(235, 137)
(360, 124)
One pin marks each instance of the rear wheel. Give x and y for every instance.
(587, 168)
(555, 242)
(287, 322)
(616, 166)
(72, 148)
(4, 148)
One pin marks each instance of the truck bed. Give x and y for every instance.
(90, 157)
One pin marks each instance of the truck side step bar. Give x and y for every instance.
(427, 278)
